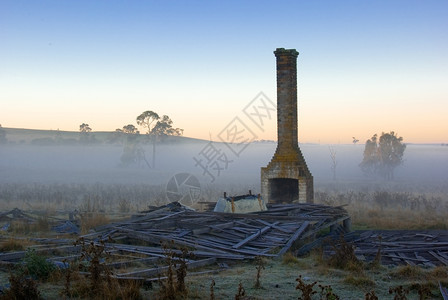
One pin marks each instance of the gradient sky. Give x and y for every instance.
(364, 66)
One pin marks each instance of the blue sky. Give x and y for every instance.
(364, 66)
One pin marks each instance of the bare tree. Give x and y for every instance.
(334, 162)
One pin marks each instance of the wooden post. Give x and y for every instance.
(347, 223)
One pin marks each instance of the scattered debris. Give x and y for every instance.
(66, 227)
(443, 291)
(16, 214)
(240, 204)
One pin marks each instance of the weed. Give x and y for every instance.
(12, 244)
(326, 292)
(317, 255)
(371, 296)
(20, 227)
(101, 284)
(22, 287)
(408, 272)
(37, 265)
(438, 273)
(181, 272)
(289, 259)
(423, 289)
(241, 292)
(42, 224)
(174, 284)
(306, 289)
(68, 278)
(344, 257)
(359, 281)
(94, 254)
(424, 292)
(260, 266)
(91, 220)
(399, 292)
(212, 290)
(126, 290)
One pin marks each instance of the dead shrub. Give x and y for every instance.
(212, 290)
(99, 284)
(344, 257)
(306, 289)
(399, 292)
(173, 286)
(42, 224)
(371, 296)
(424, 290)
(438, 273)
(260, 266)
(22, 287)
(359, 281)
(289, 259)
(408, 272)
(326, 292)
(241, 292)
(13, 244)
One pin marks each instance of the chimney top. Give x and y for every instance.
(283, 51)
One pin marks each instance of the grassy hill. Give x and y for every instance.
(53, 137)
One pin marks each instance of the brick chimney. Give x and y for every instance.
(287, 179)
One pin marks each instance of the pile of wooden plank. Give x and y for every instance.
(399, 247)
(225, 235)
(135, 247)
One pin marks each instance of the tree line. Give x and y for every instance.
(156, 128)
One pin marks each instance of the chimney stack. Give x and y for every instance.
(287, 179)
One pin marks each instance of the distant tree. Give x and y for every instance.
(130, 129)
(127, 133)
(157, 128)
(3, 138)
(383, 155)
(115, 136)
(133, 152)
(131, 133)
(85, 137)
(148, 119)
(84, 128)
(370, 161)
(164, 127)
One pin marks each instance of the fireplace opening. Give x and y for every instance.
(283, 190)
